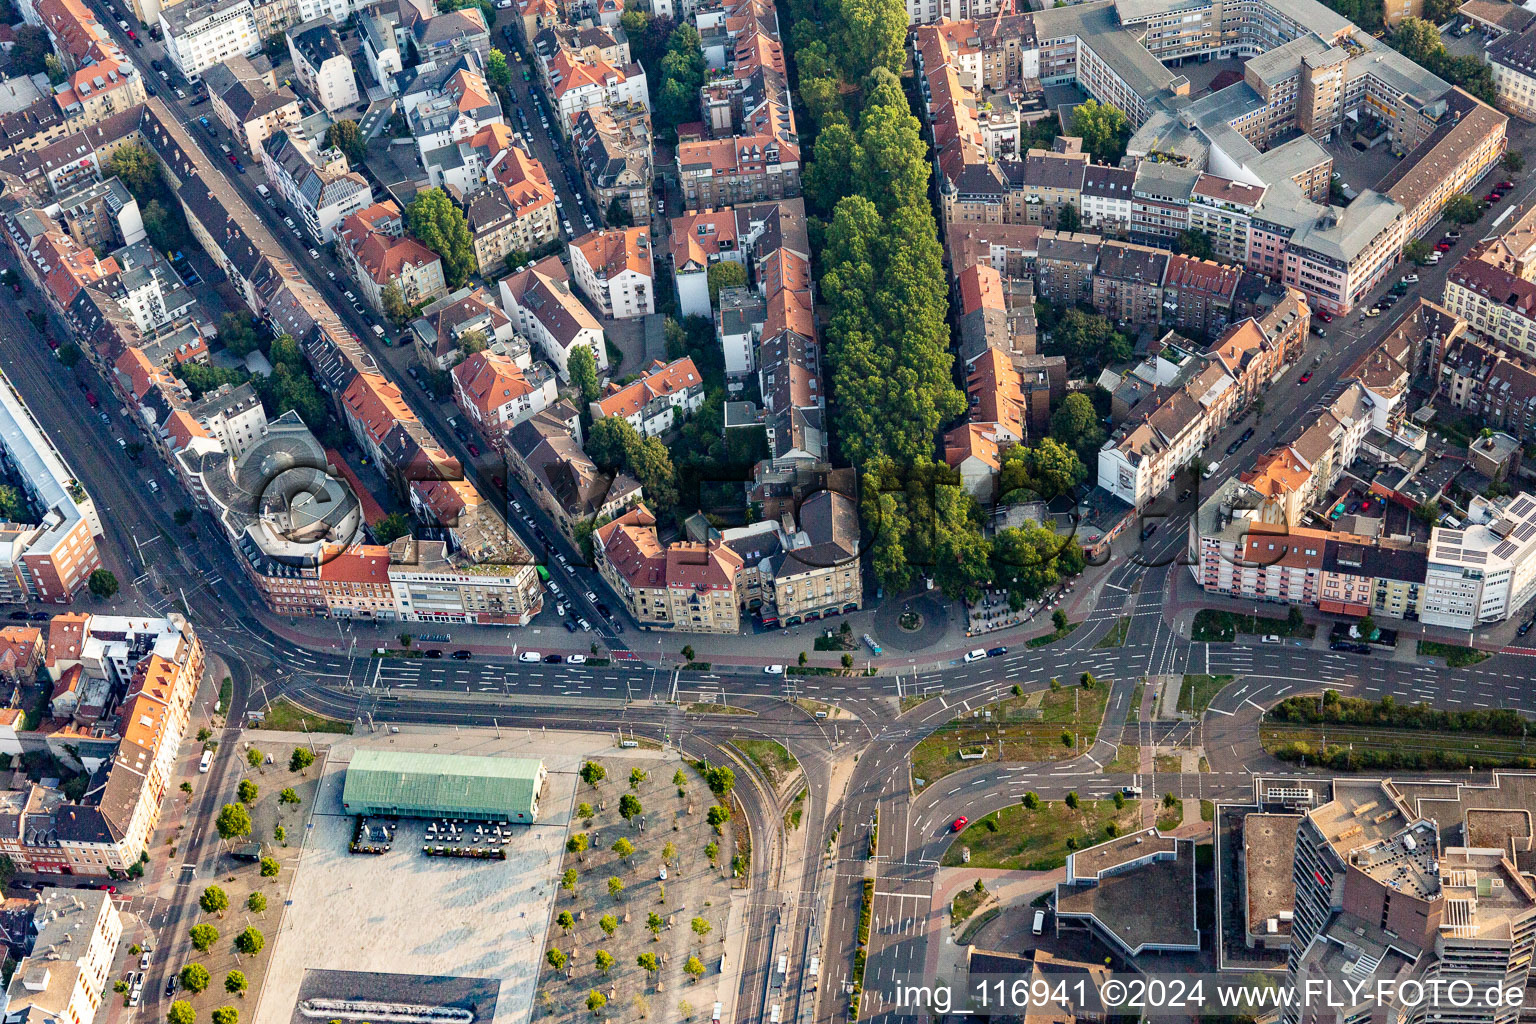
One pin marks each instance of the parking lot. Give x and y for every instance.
(422, 921)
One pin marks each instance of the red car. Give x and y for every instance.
(1442, 246)
(474, 450)
(1304, 378)
(1491, 197)
(1506, 184)
(1325, 316)
(960, 823)
(499, 482)
(134, 36)
(231, 157)
(107, 888)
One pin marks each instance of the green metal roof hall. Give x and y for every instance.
(443, 786)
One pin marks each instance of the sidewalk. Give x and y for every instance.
(1189, 598)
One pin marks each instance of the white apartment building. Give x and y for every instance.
(663, 397)
(496, 393)
(1512, 59)
(1495, 303)
(613, 268)
(322, 66)
(381, 49)
(543, 309)
(65, 974)
(323, 192)
(576, 85)
(1483, 572)
(923, 12)
(233, 416)
(202, 33)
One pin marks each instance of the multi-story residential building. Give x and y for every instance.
(1224, 209)
(614, 269)
(783, 571)
(317, 183)
(1128, 283)
(250, 103)
(381, 48)
(1307, 71)
(742, 169)
(1160, 200)
(923, 12)
(45, 561)
(231, 415)
(1491, 387)
(1512, 59)
(1052, 178)
(663, 396)
(575, 85)
(1493, 19)
(1064, 266)
(1105, 199)
(446, 37)
(446, 104)
(496, 393)
(516, 212)
(322, 65)
(547, 459)
(687, 586)
(440, 331)
(543, 309)
(613, 148)
(159, 663)
(74, 935)
(103, 214)
(1198, 295)
(201, 33)
(373, 247)
(1170, 428)
(1497, 305)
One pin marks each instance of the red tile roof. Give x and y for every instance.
(661, 380)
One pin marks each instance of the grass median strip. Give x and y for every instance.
(1455, 655)
(285, 716)
(770, 756)
(1115, 637)
(1045, 725)
(1198, 690)
(1020, 839)
(1350, 733)
(1214, 626)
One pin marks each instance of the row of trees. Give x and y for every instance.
(1419, 41)
(887, 334)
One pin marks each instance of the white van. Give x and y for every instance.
(261, 190)
(979, 654)
(207, 760)
(1039, 927)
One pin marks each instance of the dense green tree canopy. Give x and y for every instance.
(440, 226)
